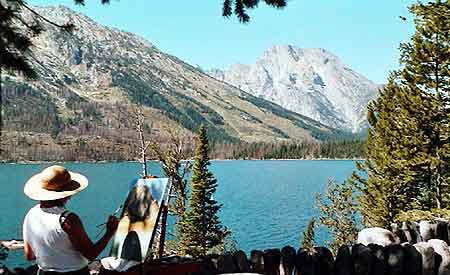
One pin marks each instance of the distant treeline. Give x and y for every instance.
(41, 147)
(337, 149)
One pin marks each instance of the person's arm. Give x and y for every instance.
(29, 254)
(80, 240)
(27, 250)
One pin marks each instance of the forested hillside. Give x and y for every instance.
(92, 80)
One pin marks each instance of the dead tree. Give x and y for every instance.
(139, 125)
(171, 155)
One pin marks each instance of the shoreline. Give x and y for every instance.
(3, 162)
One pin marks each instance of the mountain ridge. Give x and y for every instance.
(91, 79)
(310, 81)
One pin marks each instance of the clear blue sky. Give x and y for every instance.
(365, 34)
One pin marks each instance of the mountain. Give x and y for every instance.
(91, 80)
(311, 82)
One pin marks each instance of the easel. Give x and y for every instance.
(158, 238)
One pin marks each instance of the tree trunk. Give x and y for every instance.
(1, 104)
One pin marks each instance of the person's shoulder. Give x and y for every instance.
(33, 211)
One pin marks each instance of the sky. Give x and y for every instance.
(365, 34)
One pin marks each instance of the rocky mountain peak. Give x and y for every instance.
(311, 81)
(91, 79)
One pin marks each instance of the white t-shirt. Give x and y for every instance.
(50, 243)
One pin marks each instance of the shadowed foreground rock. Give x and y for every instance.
(383, 255)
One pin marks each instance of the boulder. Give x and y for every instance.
(441, 248)
(413, 260)
(376, 235)
(343, 265)
(412, 233)
(225, 264)
(305, 263)
(287, 260)
(399, 234)
(363, 260)
(272, 260)
(256, 259)
(380, 265)
(428, 258)
(325, 261)
(395, 259)
(427, 230)
(241, 261)
(442, 230)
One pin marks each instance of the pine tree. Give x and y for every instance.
(427, 69)
(308, 240)
(200, 228)
(408, 149)
(240, 7)
(338, 209)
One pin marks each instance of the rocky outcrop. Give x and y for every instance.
(311, 82)
(91, 78)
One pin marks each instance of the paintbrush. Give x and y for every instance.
(114, 214)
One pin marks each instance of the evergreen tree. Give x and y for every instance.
(200, 228)
(427, 70)
(338, 209)
(408, 149)
(308, 240)
(240, 7)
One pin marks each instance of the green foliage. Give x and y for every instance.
(200, 228)
(342, 149)
(191, 115)
(308, 241)
(408, 146)
(317, 130)
(229, 245)
(240, 7)
(339, 212)
(14, 43)
(417, 215)
(25, 109)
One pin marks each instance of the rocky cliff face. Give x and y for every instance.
(311, 82)
(90, 79)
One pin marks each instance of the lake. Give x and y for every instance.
(266, 204)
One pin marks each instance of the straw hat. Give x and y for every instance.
(54, 182)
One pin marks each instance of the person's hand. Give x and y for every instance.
(111, 225)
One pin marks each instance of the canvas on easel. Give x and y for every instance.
(139, 218)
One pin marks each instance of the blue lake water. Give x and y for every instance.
(266, 204)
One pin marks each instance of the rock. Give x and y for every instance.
(363, 260)
(399, 234)
(311, 82)
(272, 260)
(256, 258)
(413, 260)
(343, 265)
(380, 266)
(287, 260)
(376, 235)
(441, 248)
(442, 231)
(241, 261)
(225, 264)
(325, 261)
(395, 259)
(427, 230)
(428, 258)
(412, 232)
(305, 263)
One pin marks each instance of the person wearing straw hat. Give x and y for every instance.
(53, 236)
